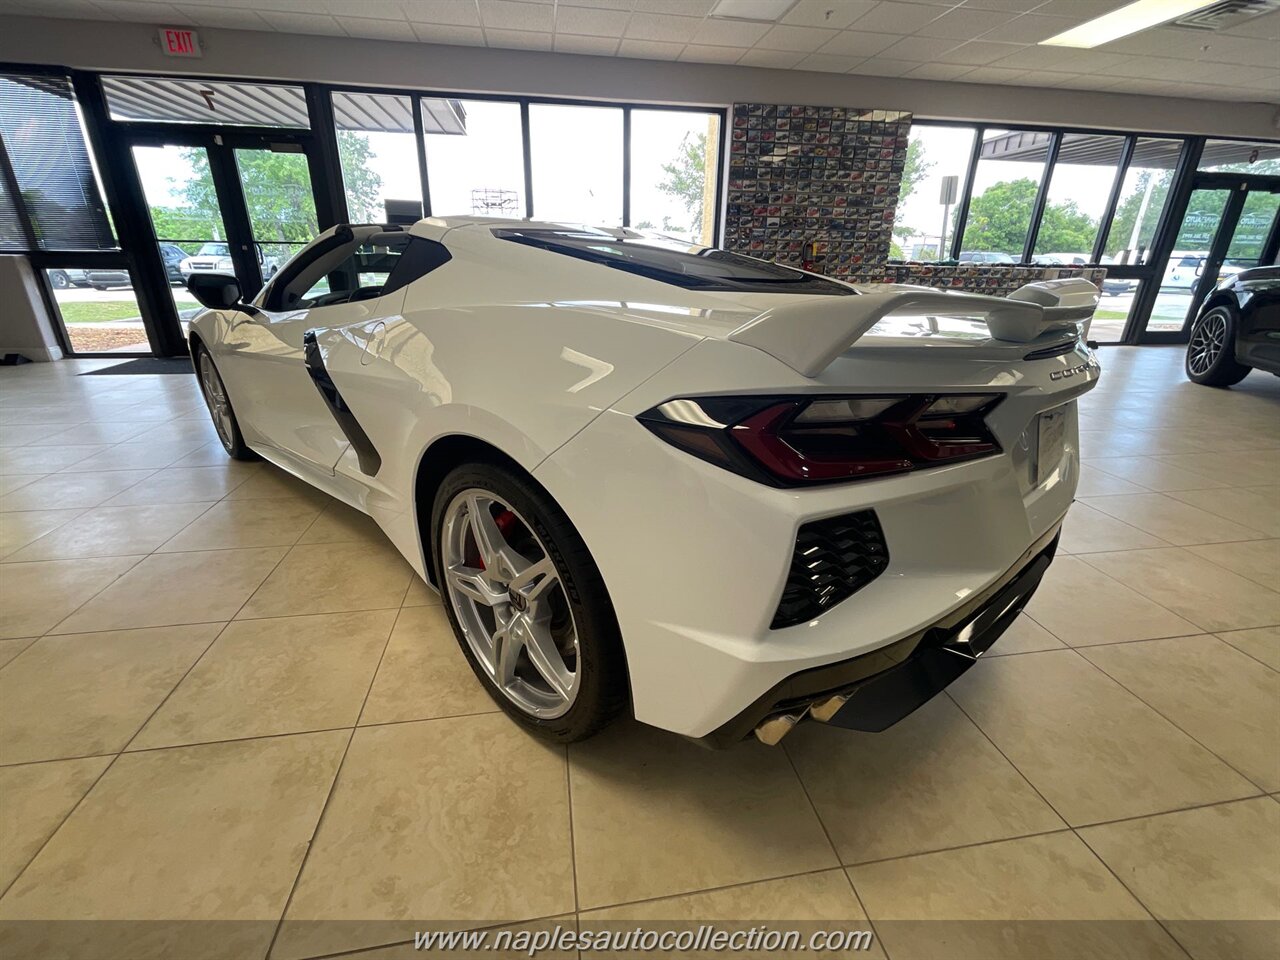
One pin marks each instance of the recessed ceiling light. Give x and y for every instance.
(1128, 19)
(767, 11)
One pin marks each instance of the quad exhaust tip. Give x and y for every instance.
(771, 730)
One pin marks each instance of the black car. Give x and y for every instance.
(1238, 329)
(170, 253)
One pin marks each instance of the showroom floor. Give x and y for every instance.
(224, 697)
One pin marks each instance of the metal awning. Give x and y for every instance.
(176, 100)
(1032, 146)
(173, 100)
(387, 113)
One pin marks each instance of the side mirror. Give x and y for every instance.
(217, 291)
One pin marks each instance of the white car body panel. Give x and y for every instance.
(549, 359)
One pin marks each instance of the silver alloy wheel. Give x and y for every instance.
(509, 601)
(1207, 340)
(215, 398)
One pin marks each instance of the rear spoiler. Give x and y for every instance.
(809, 334)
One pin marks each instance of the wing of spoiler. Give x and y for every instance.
(808, 335)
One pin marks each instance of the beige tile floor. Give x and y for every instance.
(225, 698)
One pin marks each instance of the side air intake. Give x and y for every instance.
(833, 559)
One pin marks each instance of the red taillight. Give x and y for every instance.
(790, 441)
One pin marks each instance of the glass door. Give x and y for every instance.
(275, 183)
(1230, 224)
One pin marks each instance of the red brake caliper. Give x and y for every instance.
(505, 521)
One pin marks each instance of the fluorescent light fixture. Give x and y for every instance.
(766, 11)
(1128, 19)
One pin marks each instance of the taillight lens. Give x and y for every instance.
(792, 441)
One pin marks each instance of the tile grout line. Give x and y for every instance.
(1065, 821)
(573, 841)
(333, 787)
(804, 788)
(1177, 726)
(114, 759)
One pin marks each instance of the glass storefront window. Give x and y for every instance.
(281, 205)
(378, 153)
(1079, 190)
(1186, 265)
(475, 157)
(923, 226)
(674, 159)
(1010, 168)
(1142, 198)
(1252, 230)
(99, 310)
(577, 163)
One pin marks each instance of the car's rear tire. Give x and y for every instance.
(535, 622)
(59, 280)
(1211, 351)
(218, 401)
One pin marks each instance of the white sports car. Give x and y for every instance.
(717, 492)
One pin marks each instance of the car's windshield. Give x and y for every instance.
(214, 250)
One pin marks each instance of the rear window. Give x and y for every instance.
(669, 261)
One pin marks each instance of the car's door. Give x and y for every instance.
(264, 362)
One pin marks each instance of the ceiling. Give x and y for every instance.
(974, 41)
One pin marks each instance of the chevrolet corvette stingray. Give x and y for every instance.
(715, 492)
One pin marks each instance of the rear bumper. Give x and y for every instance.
(874, 691)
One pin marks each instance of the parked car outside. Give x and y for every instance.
(985, 256)
(170, 253)
(66, 277)
(215, 257)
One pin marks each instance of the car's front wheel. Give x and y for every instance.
(1211, 352)
(219, 404)
(59, 280)
(527, 602)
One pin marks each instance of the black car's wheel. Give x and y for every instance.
(219, 404)
(1211, 354)
(527, 603)
(59, 280)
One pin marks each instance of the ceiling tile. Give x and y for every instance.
(938, 71)
(512, 15)
(66, 10)
(853, 43)
(1266, 26)
(1008, 6)
(699, 53)
(977, 53)
(1047, 58)
(604, 4)
(1029, 29)
(518, 39)
(456, 13)
(230, 19)
(448, 33)
(826, 13)
(774, 59)
(649, 49)
(994, 75)
(901, 18)
(963, 24)
(596, 46)
(367, 10)
(1081, 10)
(688, 8)
(919, 49)
(729, 33)
(306, 23)
(653, 26)
(591, 23)
(142, 12)
(879, 67)
(367, 29)
(802, 39)
(824, 63)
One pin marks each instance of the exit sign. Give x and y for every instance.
(176, 42)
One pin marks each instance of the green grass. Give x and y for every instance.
(104, 311)
(1110, 314)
